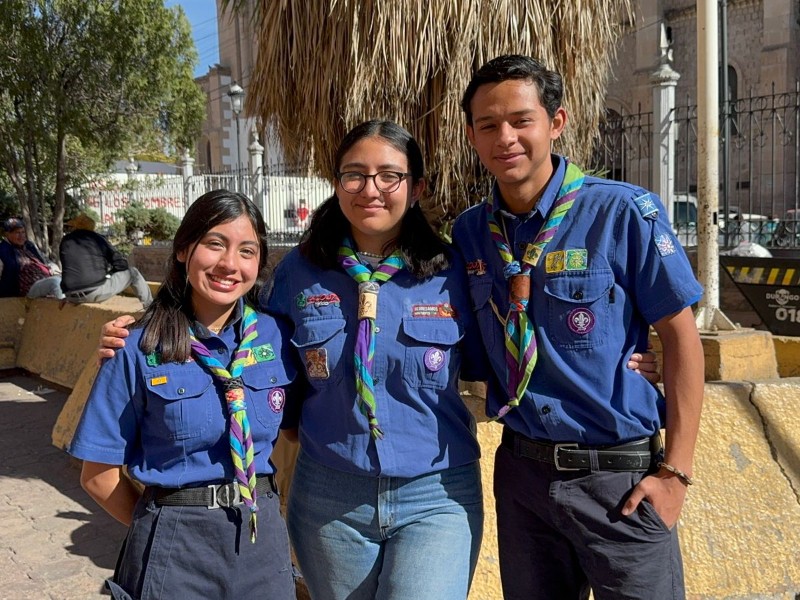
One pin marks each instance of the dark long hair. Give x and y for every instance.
(169, 317)
(421, 248)
(517, 67)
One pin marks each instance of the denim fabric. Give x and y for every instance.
(114, 284)
(48, 286)
(363, 538)
(561, 533)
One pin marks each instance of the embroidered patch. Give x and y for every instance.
(532, 255)
(300, 300)
(317, 363)
(322, 300)
(153, 359)
(263, 353)
(434, 359)
(646, 206)
(476, 267)
(433, 310)
(665, 244)
(580, 320)
(554, 262)
(577, 259)
(276, 399)
(158, 380)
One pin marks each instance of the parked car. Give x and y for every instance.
(739, 227)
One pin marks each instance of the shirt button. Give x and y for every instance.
(577, 295)
(221, 351)
(546, 409)
(377, 330)
(181, 391)
(522, 245)
(273, 379)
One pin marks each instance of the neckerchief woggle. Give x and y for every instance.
(520, 340)
(368, 287)
(240, 436)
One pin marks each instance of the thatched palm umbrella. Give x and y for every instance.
(325, 65)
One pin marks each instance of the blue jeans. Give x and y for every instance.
(359, 537)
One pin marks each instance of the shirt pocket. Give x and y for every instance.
(179, 403)
(430, 344)
(480, 290)
(267, 386)
(578, 308)
(320, 344)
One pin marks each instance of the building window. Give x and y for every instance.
(732, 99)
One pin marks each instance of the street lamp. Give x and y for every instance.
(236, 95)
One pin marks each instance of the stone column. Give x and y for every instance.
(664, 80)
(186, 165)
(256, 151)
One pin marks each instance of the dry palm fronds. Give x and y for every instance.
(325, 65)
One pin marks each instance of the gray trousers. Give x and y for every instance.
(561, 533)
(113, 285)
(48, 286)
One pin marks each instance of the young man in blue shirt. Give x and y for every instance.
(567, 273)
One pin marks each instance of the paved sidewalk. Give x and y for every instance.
(55, 542)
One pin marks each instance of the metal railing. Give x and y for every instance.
(759, 166)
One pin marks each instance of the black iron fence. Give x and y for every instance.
(759, 167)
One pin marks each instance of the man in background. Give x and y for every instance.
(92, 269)
(24, 271)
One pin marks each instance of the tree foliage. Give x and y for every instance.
(135, 221)
(83, 82)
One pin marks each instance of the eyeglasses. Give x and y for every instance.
(385, 181)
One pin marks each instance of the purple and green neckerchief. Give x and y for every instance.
(520, 340)
(240, 436)
(368, 287)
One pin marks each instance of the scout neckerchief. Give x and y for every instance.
(368, 286)
(241, 439)
(521, 352)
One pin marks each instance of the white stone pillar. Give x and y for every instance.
(664, 80)
(186, 165)
(256, 151)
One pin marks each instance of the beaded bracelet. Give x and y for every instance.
(677, 472)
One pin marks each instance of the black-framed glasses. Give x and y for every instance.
(385, 181)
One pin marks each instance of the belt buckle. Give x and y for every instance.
(556, 448)
(221, 495)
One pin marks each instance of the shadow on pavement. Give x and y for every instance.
(28, 411)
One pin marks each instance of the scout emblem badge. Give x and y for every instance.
(520, 341)
(368, 287)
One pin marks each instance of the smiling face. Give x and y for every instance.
(512, 134)
(221, 267)
(376, 217)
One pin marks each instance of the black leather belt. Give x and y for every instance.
(210, 496)
(632, 456)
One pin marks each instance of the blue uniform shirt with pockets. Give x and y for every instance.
(424, 335)
(613, 268)
(169, 422)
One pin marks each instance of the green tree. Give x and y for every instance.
(86, 81)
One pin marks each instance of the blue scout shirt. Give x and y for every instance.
(613, 267)
(169, 423)
(424, 330)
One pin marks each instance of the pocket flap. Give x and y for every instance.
(430, 330)
(582, 287)
(179, 384)
(480, 290)
(316, 331)
(263, 376)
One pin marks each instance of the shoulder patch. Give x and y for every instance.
(646, 206)
(665, 244)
